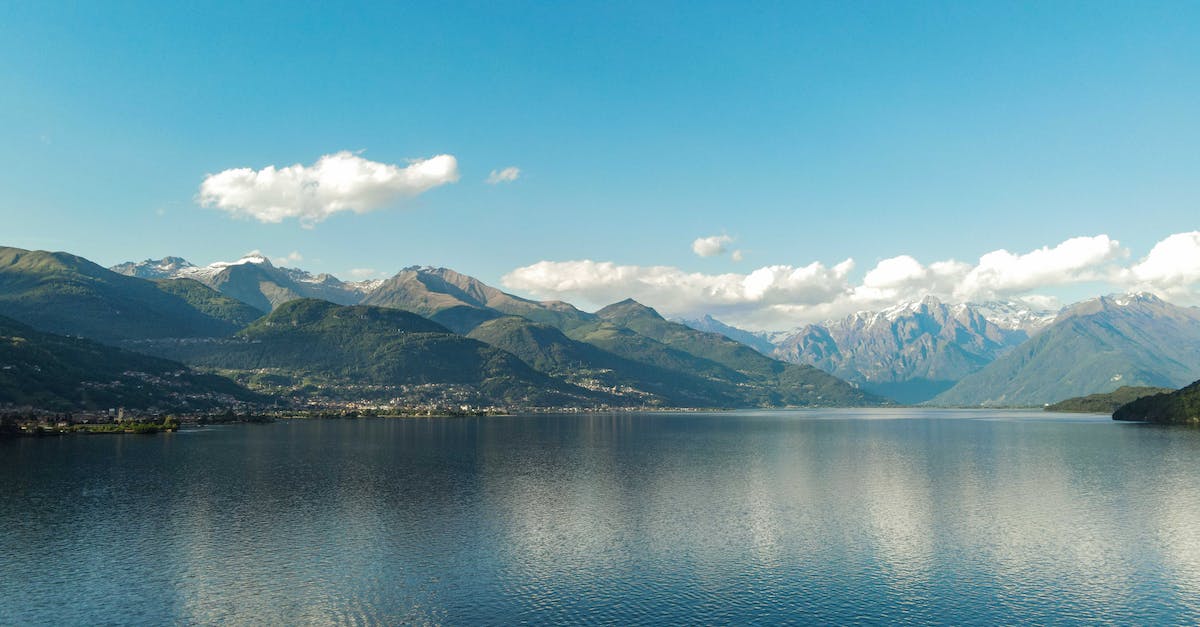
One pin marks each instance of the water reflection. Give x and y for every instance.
(829, 517)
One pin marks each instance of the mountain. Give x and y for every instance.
(62, 373)
(1178, 407)
(210, 302)
(763, 381)
(549, 350)
(1105, 403)
(253, 280)
(313, 347)
(462, 302)
(910, 352)
(758, 341)
(1013, 315)
(1093, 347)
(64, 294)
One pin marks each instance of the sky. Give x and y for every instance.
(770, 163)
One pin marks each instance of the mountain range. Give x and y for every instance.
(1093, 347)
(253, 280)
(910, 352)
(997, 353)
(426, 335)
(433, 335)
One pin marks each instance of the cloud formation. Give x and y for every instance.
(784, 296)
(360, 274)
(507, 175)
(292, 257)
(1171, 269)
(711, 246)
(338, 182)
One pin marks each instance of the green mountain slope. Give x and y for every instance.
(210, 302)
(431, 291)
(1106, 403)
(549, 350)
(765, 381)
(69, 295)
(1094, 347)
(1178, 407)
(61, 373)
(373, 352)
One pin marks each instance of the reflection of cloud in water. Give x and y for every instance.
(898, 509)
(1173, 513)
(1039, 518)
(556, 505)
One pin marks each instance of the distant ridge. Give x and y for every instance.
(1095, 346)
(253, 280)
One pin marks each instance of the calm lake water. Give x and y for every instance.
(842, 516)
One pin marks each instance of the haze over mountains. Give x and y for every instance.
(910, 352)
(999, 353)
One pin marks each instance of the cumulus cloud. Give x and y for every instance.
(784, 296)
(711, 246)
(1171, 269)
(1001, 273)
(737, 255)
(507, 175)
(338, 182)
(677, 291)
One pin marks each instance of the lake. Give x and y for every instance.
(756, 517)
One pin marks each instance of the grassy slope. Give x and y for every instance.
(60, 373)
(69, 295)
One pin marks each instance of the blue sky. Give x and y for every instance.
(807, 132)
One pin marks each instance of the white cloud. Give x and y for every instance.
(737, 255)
(292, 257)
(1172, 269)
(359, 274)
(676, 291)
(711, 246)
(507, 175)
(784, 296)
(1077, 260)
(341, 181)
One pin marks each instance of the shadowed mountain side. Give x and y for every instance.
(1178, 407)
(64, 294)
(547, 349)
(709, 324)
(1106, 403)
(770, 382)
(1093, 347)
(61, 373)
(376, 346)
(210, 302)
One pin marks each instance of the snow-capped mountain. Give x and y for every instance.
(254, 280)
(1093, 346)
(1015, 315)
(910, 351)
